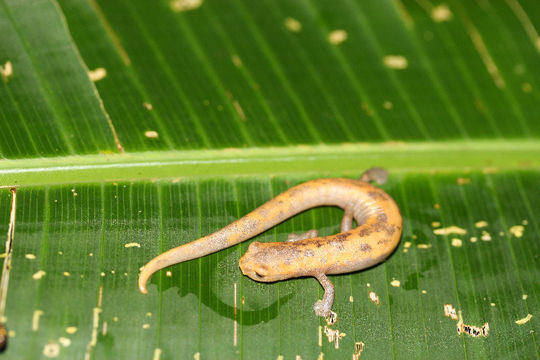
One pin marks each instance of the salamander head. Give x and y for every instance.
(259, 263)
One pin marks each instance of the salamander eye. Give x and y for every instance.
(260, 271)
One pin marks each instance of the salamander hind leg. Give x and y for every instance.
(346, 222)
(376, 174)
(324, 307)
(307, 235)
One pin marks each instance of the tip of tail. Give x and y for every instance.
(142, 286)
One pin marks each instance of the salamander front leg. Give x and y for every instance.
(307, 235)
(324, 307)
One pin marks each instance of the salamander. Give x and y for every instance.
(352, 249)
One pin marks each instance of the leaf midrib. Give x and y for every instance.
(329, 159)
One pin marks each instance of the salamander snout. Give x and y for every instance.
(251, 266)
(255, 271)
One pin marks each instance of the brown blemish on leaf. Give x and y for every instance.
(450, 311)
(333, 336)
(358, 349)
(374, 297)
(51, 349)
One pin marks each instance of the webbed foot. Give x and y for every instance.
(324, 307)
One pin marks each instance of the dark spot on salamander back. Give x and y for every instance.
(365, 247)
(366, 231)
(390, 229)
(337, 244)
(377, 195)
(342, 236)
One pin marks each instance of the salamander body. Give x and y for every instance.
(373, 240)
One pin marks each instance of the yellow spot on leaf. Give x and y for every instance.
(236, 61)
(65, 342)
(185, 5)
(524, 320)
(450, 311)
(480, 224)
(395, 283)
(374, 297)
(358, 349)
(388, 105)
(457, 242)
(333, 336)
(35, 319)
(38, 275)
(441, 13)
(239, 110)
(6, 70)
(71, 329)
(450, 230)
(517, 230)
(151, 134)
(132, 244)
(97, 74)
(396, 62)
(336, 37)
(51, 350)
(485, 236)
(293, 25)
(30, 256)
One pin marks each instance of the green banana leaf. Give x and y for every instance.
(131, 127)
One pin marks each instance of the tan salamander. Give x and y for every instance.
(377, 235)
